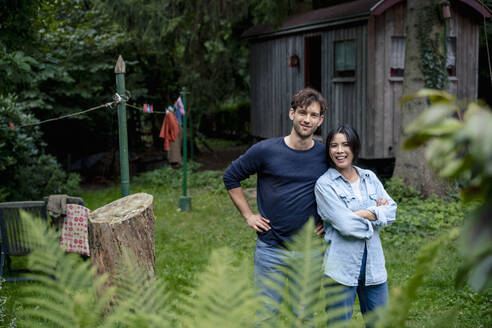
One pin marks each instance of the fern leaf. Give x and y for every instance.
(223, 295)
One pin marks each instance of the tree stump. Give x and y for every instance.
(125, 224)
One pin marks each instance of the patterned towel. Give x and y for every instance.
(74, 234)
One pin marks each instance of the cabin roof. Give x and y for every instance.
(335, 15)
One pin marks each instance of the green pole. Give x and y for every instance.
(192, 157)
(184, 201)
(122, 131)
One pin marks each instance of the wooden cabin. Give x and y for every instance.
(354, 53)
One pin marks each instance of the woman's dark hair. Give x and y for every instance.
(352, 139)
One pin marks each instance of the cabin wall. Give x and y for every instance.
(346, 96)
(370, 100)
(273, 83)
(384, 92)
(466, 30)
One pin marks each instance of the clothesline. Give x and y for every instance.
(116, 100)
(140, 108)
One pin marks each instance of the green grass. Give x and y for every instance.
(184, 241)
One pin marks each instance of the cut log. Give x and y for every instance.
(125, 224)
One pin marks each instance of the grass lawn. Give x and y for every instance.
(184, 241)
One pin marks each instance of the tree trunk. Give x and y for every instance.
(125, 224)
(411, 165)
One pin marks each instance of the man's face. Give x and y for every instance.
(306, 120)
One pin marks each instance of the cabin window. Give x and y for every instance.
(397, 56)
(345, 58)
(451, 56)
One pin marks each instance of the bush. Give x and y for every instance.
(230, 120)
(173, 178)
(17, 145)
(42, 177)
(401, 192)
(25, 174)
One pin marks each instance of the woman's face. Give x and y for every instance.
(340, 152)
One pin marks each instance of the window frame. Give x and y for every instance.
(344, 73)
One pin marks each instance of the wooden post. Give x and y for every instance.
(184, 201)
(125, 224)
(122, 130)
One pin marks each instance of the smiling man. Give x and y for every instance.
(287, 169)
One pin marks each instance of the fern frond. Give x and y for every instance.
(305, 293)
(141, 301)
(64, 293)
(396, 314)
(301, 302)
(223, 295)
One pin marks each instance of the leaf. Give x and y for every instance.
(222, 297)
(434, 95)
(436, 115)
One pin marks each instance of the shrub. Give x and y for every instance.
(173, 178)
(399, 191)
(4, 321)
(26, 174)
(42, 177)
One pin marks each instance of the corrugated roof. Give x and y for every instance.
(341, 11)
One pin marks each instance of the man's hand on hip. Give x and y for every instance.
(258, 222)
(319, 229)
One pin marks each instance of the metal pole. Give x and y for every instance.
(184, 201)
(192, 157)
(122, 131)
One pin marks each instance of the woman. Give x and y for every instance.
(353, 205)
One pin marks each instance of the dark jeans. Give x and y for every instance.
(370, 297)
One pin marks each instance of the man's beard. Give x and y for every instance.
(303, 134)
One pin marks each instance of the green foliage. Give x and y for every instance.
(67, 295)
(304, 298)
(457, 149)
(396, 314)
(17, 146)
(43, 176)
(173, 178)
(27, 174)
(400, 191)
(425, 217)
(64, 292)
(184, 242)
(222, 295)
(3, 315)
(432, 47)
(461, 150)
(229, 120)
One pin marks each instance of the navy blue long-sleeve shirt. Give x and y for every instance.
(285, 188)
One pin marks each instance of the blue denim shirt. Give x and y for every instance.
(346, 233)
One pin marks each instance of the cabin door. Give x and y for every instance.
(312, 62)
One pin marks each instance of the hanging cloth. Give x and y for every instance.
(74, 233)
(147, 108)
(169, 130)
(178, 114)
(174, 153)
(180, 106)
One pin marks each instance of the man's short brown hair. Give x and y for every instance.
(307, 96)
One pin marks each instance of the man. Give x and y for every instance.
(287, 169)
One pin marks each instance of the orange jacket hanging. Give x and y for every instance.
(169, 130)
